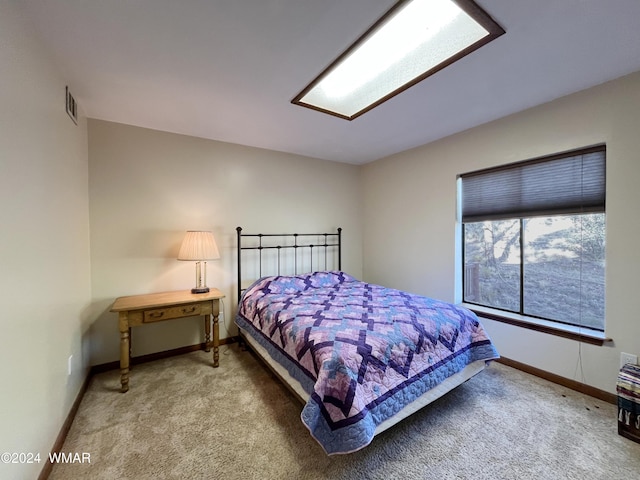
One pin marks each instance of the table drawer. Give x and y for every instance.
(159, 314)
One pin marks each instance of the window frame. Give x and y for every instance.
(533, 322)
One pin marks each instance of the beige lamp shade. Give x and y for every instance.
(198, 245)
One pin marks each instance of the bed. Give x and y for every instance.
(360, 357)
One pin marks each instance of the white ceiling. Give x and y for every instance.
(228, 69)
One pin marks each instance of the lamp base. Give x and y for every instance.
(200, 290)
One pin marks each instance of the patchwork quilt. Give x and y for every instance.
(361, 351)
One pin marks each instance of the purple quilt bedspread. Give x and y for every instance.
(361, 351)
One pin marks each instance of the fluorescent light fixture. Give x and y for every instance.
(412, 41)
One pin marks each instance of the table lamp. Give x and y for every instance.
(199, 246)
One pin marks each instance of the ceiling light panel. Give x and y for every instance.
(413, 40)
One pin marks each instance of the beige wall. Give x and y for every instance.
(44, 247)
(148, 187)
(410, 217)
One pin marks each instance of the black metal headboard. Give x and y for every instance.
(326, 240)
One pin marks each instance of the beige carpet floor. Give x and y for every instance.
(183, 419)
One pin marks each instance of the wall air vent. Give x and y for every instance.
(72, 106)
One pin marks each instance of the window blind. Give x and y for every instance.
(570, 183)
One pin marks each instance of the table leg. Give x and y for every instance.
(216, 332)
(207, 333)
(124, 351)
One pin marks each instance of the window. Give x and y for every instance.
(534, 238)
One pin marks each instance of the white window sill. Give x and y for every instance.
(582, 334)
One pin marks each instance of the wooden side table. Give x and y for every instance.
(137, 310)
